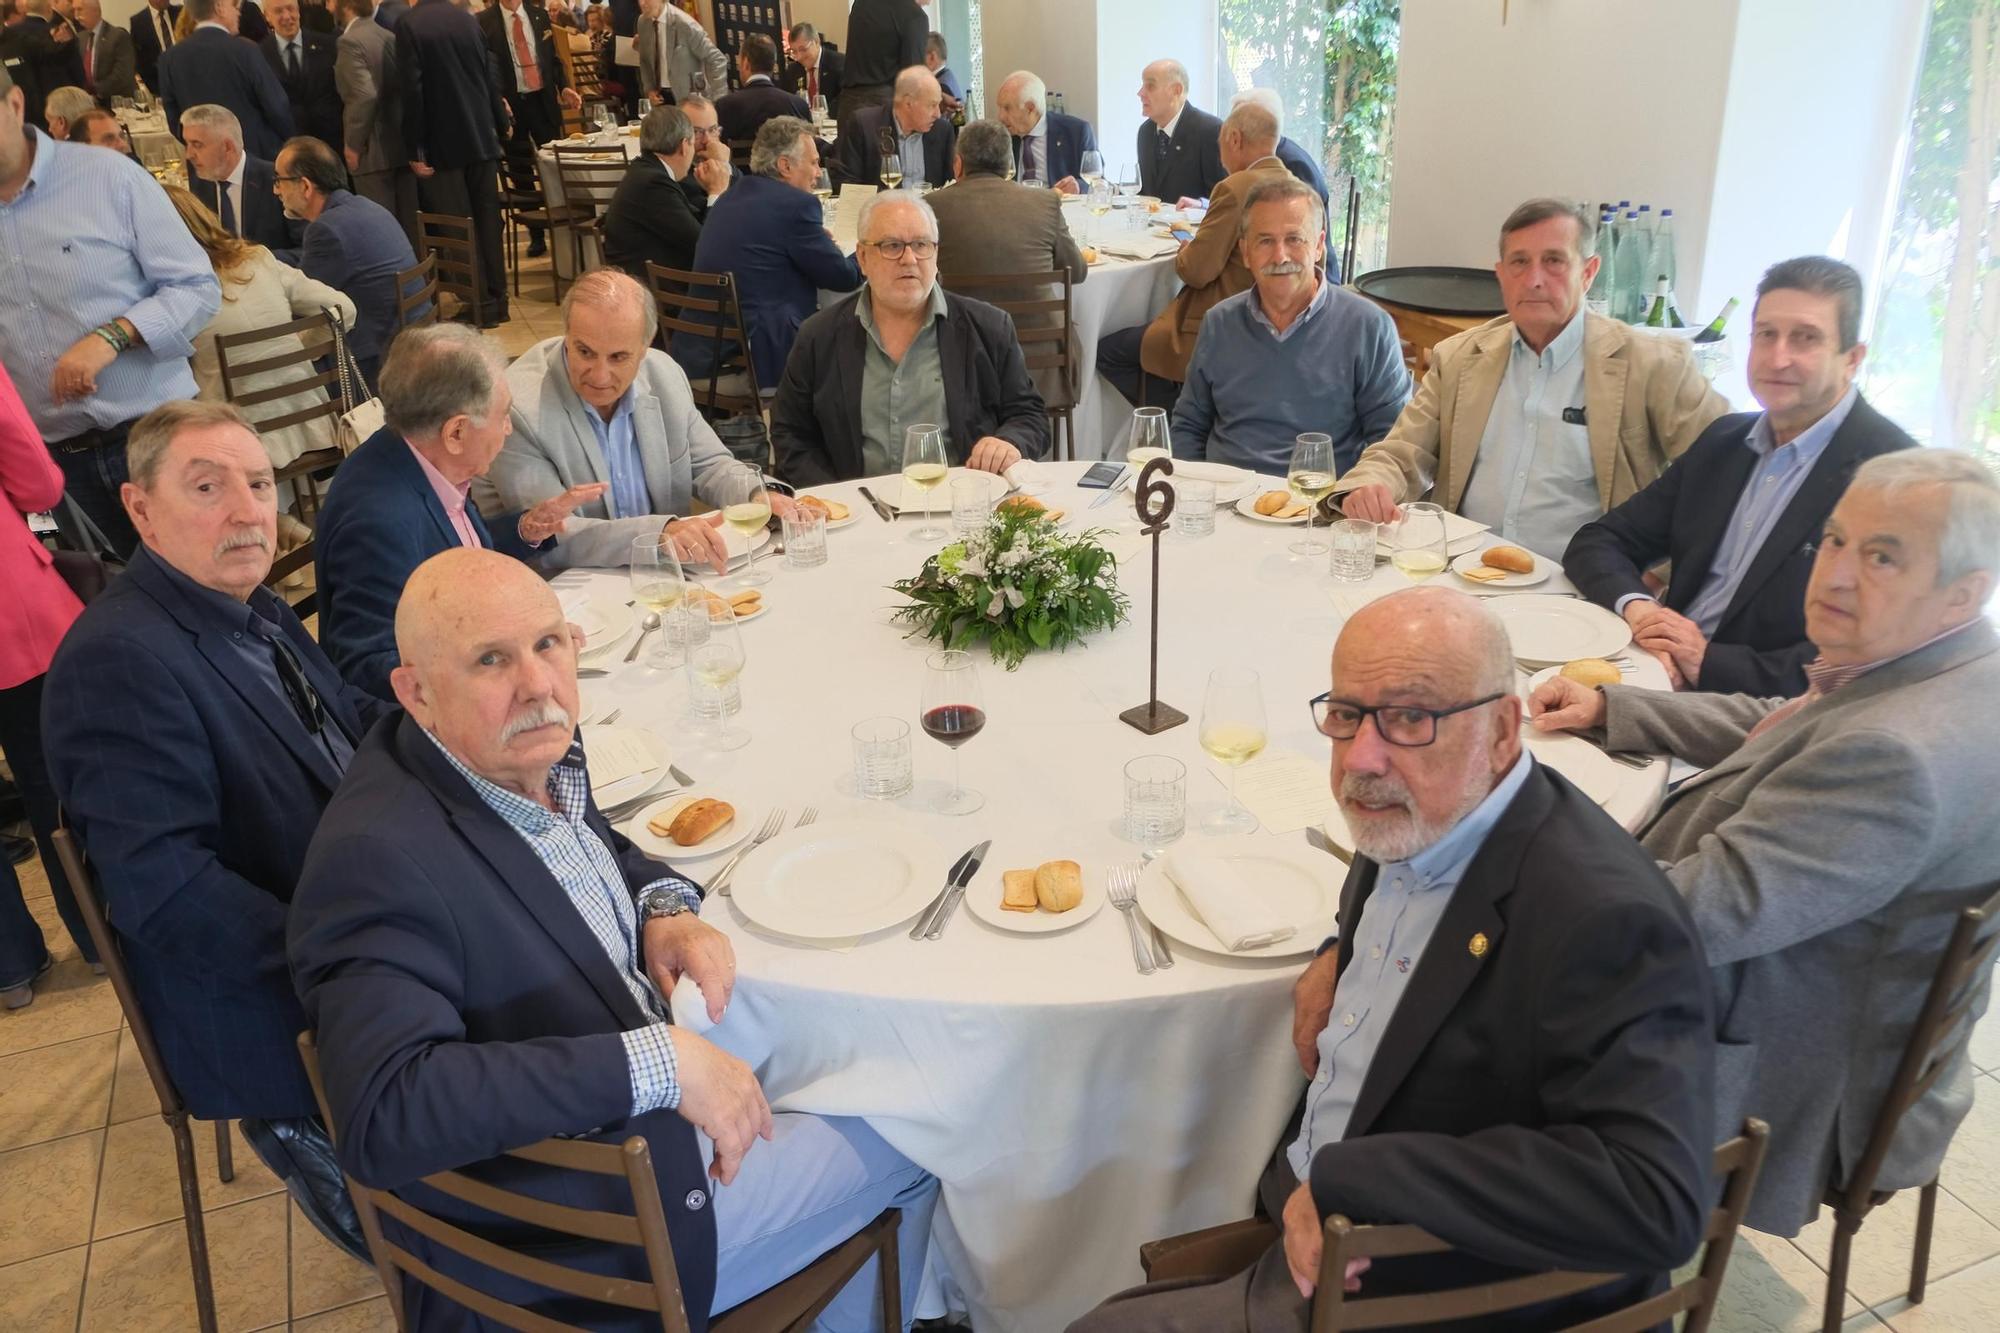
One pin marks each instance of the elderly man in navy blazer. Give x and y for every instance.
(214, 65)
(470, 924)
(1048, 146)
(1180, 145)
(194, 733)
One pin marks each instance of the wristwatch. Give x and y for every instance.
(656, 902)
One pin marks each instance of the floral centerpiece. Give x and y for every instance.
(1019, 584)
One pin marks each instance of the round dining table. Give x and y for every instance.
(1071, 1106)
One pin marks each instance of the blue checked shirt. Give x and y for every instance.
(589, 874)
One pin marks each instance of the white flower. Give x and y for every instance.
(1014, 596)
(993, 607)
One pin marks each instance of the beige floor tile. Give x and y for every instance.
(1966, 1302)
(132, 1095)
(142, 1185)
(1972, 1166)
(141, 1282)
(56, 1091)
(70, 1002)
(1773, 1287)
(324, 1276)
(1880, 1268)
(41, 1295)
(54, 933)
(367, 1317)
(34, 880)
(48, 1189)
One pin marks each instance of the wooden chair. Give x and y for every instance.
(787, 1307)
(417, 294)
(706, 305)
(1043, 322)
(589, 180)
(450, 243)
(524, 204)
(579, 64)
(739, 153)
(172, 1109)
(1936, 1039)
(1223, 1251)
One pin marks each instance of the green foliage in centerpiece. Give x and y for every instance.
(1020, 584)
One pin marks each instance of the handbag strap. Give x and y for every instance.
(353, 387)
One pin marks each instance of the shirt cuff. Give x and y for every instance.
(689, 894)
(649, 1057)
(1618, 607)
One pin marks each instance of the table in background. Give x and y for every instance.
(149, 136)
(561, 254)
(1071, 1107)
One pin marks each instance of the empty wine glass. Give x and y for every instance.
(1416, 542)
(1128, 180)
(713, 666)
(748, 517)
(1150, 439)
(1233, 732)
(1310, 476)
(954, 711)
(924, 470)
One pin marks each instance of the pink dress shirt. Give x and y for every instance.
(37, 608)
(452, 497)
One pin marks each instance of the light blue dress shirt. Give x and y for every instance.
(910, 147)
(90, 238)
(629, 495)
(1389, 941)
(1533, 482)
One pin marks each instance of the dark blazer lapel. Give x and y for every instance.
(955, 352)
(1450, 964)
(850, 354)
(1719, 494)
(1799, 525)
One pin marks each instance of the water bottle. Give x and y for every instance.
(1631, 285)
(1600, 299)
(1661, 260)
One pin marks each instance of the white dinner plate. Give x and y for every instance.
(603, 622)
(839, 879)
(748, 818)
(1247, 507)
(624, 789)
(909, 498)
(983, 898)
(853, 514)
(1545, 629)
(763, 605)
(1645, 672)
(1231, 483)
(1539, 574)
(1461, 534)
(1301, 884)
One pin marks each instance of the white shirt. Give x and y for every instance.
(1168, 128)
(285, 47)
(521, 72)
(208, 23)
(1035, 153)
(234, 185)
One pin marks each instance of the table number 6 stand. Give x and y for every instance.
(1153, 498)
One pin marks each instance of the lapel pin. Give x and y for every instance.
(1476, 946)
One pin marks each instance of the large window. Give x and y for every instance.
(1334, 64)
(1934, 355)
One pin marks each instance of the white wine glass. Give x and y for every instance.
(748, 517)
(1099, 202)
(892, 159)
(658, 584)
(1150, 438)
(1233, 732)
(1416, 542)
(713, 665)
(954, 711)
(1128, 180)
(924, 470)
(823, 188)
(1092, 166)
(1310, 476)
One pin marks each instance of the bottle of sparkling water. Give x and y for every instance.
(1599, 298)
(1630, 306)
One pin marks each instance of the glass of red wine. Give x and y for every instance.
(954, 712)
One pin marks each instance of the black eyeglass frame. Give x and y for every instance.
(1319, 706)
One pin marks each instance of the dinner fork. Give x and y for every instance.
(1123, 884)
(772, 823)
(807, 816)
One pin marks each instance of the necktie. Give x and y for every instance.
(228, 209)
(1160, 153)
(292, 58)
(89, 63)
(531, 74)
(812, 83)
(166, 29)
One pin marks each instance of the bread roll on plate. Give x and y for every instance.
(1510, 558)
(1058, 885)
(1592, 672)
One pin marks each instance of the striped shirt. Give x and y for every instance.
(90, 238)
(590, 875)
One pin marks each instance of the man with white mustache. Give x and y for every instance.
(1509, 1043)
(1295, 353)
(195, 732)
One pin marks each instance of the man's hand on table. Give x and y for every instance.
(1561, 704)
(1312, 1005)
(1371, 503)
(993, 454)
(1304, 1240)
(1067, 185)
(697, 539)
(548, 518)
(672, 945)
(784, 506)
(1670, 636)
(719, 1097)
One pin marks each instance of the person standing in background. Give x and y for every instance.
(884, 38)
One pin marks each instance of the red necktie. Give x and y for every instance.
(89, 60)
(812, 83)
(531, 73)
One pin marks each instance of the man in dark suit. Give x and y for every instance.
(962, 366)
(401, 497)
(1179, 147)
(42, 56)
(389, 13)
(815, 68)
(650, 218)
(1511, 1044)
(349, 243)
(303, 62)
(371, 97)
(109, 62)
(1048, 148)
(454, 121)
(757, 98)
(1740, 513)
(469, 919)
(194, 733)
(924, 139)
(236, 187)
(214, 66)
(768, 230)
(519, 38)
(884, 38)
(251, 25)
(153, 32)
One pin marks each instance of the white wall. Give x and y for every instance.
(1017, 35)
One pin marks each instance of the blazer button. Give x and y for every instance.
(695, 1200)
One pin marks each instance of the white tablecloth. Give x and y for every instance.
(1072, 1108)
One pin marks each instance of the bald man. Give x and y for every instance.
(925, 140)
(468, 922)
(1521, 1062)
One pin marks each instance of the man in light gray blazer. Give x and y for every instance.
(673, 49)
(371, 97)
(1830, 844)
(599, 404)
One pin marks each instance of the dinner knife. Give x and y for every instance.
(957, 894)
(1117, 485)
(950, 879)
(882, 511)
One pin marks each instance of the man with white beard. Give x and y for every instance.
(1510, 1042)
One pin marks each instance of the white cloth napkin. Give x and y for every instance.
(1225, 904)
(1028, 476)
(1140, 246)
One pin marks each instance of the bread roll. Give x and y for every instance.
(1059, 885)
(1017, 891)
(1270, 502)
(1510, 558)
(701, 821)
(1021, 504)
(1592, 672)
(745, 601)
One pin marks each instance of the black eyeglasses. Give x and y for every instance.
(1399, 724)
(893, 249)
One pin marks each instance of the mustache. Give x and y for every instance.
(547, 713)
(240, 538)
(1382, 790)
(1284, 268)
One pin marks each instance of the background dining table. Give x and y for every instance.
(1072, 1107)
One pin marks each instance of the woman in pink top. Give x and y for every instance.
(35, 613)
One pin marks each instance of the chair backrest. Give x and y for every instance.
(705, 305)
(449, 240)
(417, 293)
(286, 369)
(644, 1227)
(739, 152)
(1736, 1165)
(1041, 306)
(590, 176)
(1942, 1028)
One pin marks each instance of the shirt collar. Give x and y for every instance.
(443, 485)
(756, 78)
(1809, 443)
(1041, 130)
(211, 23)
(569, 783)
(1319, 302)
(1168, 128)
(1823, 678)
(1561, 347)
(236, 172)
(1444, 861)
(40, 143)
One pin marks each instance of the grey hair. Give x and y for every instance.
(1282, 192)
(204, 12)
(1820, 276)
(777, 137)
(803, 32)
(985, 146)
(218, 118)
(1541, 210)
(664, 130)
(884, 197)
(915, 81)
(146, 444)
(1254, 124)
(68, 102)
(1970, 540)
(435, 372)
(1029, 88)
(1175, 71)
(696, 99)
(611, 288)
(1267, 98)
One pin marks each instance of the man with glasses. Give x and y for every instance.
(1509, 1044)
(710, 174)
(195, 733)
(903, 352)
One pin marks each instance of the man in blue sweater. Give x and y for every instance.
(1295, 353)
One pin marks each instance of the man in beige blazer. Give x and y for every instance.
(1210, 265)
(1575, 410)
(988, 224)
